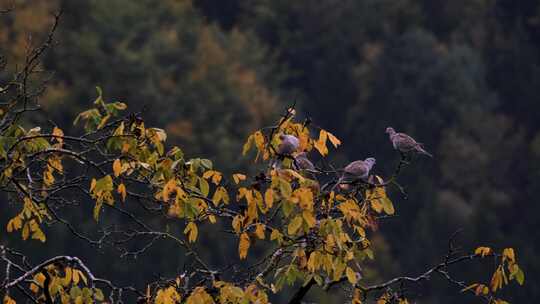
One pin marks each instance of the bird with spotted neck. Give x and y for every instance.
(356, 170)
(404, 143)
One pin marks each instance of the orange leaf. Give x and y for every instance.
(122, 191)
(243, 246)
(117, 167)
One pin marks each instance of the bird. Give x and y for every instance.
(302, 162)
(289, 144)
(358, 169)
(404, 143)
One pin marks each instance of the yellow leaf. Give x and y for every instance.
(309, 218)
(67, 279)
(75, 278)
(216, 178)
(243, 246)
(208, 174)
(168, 295)
(294, 225)
(93, 184)
(293, 173)
(313, 261)
(56, 164)
(237, 223)
(238, 177)
(304, 197)
(192, 231)
(334, 140)
(376, 205)
(120, 130)
(269, 198)
(117, 167)
(220, 195)
(259, 231)
(357, 298)
(247, 145)
(387, 206)
(104, 121)
(351, 275)
(496, 280)
(509, 254)
(34, 288)
(48, 177)
(469, 287)
(251, 211)
(259, 140)
(276, 235)
(122, 191)
(320, 144)
(482, 251)
(82, 276)
(38, 234)
(8, 300)
(97, 209)
(14, 224)
(169, 187)
(26, 231)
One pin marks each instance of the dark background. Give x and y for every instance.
(461, 76)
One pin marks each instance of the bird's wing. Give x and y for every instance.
(356, 168)
(405, 141)
(288, 145)
(304, 163)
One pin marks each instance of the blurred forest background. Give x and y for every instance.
(462, 76)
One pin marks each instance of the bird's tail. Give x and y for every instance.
(422, 151)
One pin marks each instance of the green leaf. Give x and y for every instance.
(285, 188)
(176, 153)
(520, 277)
(190, 208)
(98, 294)
(318, 279)
(205, 188)
(207, 164)
(74, 292)
(97, 209)
(99, 99)
(104, 184)
(86, 292)
(287, 208)
(292, 274)
(280, 281)
(195, 164)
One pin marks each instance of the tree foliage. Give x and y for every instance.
(309, 234)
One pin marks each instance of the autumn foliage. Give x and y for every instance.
(313, 234)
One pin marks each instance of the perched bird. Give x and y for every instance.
(404, 143)
(358, 169)
(303, 163)
(289, 144)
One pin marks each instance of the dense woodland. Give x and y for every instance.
(461, 76)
